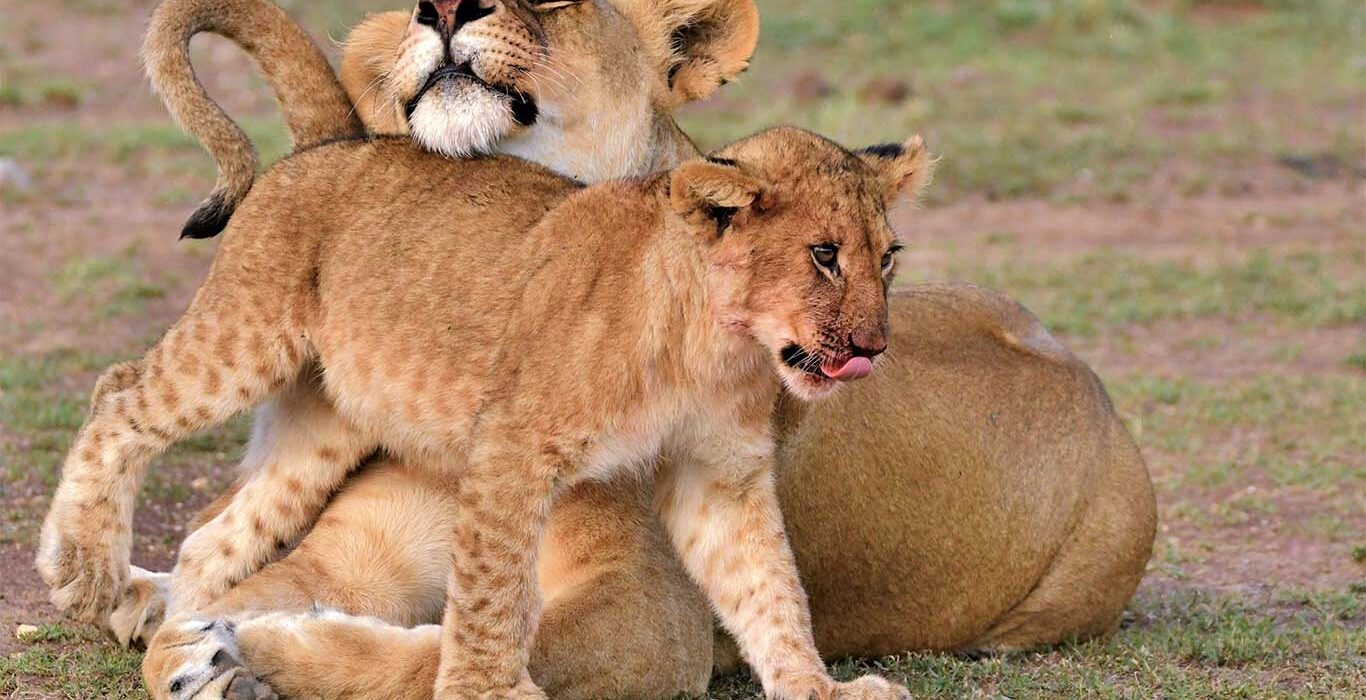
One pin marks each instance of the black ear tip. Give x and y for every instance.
(209, 219)
(884, 150)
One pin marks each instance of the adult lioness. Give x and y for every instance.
(680, 302)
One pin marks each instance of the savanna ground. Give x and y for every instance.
(1177, 188)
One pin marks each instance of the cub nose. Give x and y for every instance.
(868, 343)
(447, 16)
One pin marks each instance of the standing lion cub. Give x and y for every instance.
(531, 334)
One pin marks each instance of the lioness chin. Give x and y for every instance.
(767, 263)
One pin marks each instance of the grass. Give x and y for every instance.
(158, 148)
(26, 91)
(1060, 98)
(116, 285)
(71, 663)
(1102, 290)
(1066, 100)
(43, 401)
(1290, 644)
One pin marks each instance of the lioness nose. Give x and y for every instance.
(446, 16)
(868, 342)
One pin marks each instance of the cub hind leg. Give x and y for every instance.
(300, 452)
(236, 344)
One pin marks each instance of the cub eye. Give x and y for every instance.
(889, 257)
(177, 685)
(825, 256)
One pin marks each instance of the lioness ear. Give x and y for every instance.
(712, 190)
(698, 45)
(904, 168)
(369, 54)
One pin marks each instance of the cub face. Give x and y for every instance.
(573, 84)
(802, 256)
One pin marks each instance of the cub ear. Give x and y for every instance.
(714, 190)
(904, 168)
(367, 56)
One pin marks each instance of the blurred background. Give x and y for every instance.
(1177, 188)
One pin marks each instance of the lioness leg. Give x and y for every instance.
(300, 452)
(222, 357)
(621, 617)
(330, 654)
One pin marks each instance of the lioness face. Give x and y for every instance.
(464, 74)
(804, 255)
(577, 85)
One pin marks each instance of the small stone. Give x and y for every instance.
(13, 176)
(26, 633)
(200, 484)
(809, 86)
(885, 90)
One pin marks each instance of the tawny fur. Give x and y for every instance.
(671, 344)
(1036, 534)
(952, 518)
(313, 104)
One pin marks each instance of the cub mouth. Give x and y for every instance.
(524, 110)
(843, 369)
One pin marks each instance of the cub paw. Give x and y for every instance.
(141, 608)
(200, 660)
(81, 570)
(871, 688)
(816, 685)
(526, 689)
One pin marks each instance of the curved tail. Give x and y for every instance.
(313, 101)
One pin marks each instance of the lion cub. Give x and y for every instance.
(531, 333)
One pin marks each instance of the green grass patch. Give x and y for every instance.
(1065, 98)
(1100, 291)
(1288, 431)
(18, 90)
(123, 143)
(1178, 645)
(71, 663)
(116, 285)
(43, 402)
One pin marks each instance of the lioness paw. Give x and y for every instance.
(207, 665)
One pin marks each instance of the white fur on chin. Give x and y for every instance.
(461, 121)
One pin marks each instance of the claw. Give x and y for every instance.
(248, 688)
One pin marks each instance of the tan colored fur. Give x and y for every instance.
(314, 105)
(671, 344)
(382, 554)
(956, 512)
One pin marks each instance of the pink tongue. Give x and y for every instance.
(853, 368)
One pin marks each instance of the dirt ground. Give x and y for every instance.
(1228, 320)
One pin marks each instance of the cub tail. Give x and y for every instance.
(313, 102)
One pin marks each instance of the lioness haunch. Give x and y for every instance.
(529, 333)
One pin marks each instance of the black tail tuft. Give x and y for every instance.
(210, 218)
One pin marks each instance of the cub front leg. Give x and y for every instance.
(503, 501)
(718, 501)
